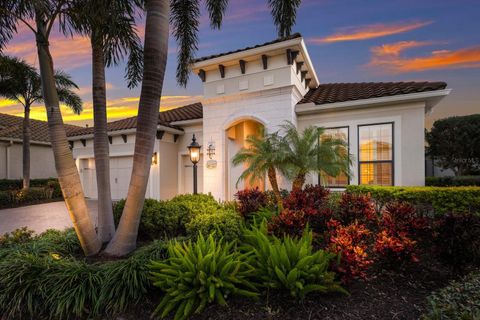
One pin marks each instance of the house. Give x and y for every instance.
(264, 86)
(42, 164)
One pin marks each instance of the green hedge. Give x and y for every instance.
(41, 190)
(460, 300)
(426, 199)
(459, 181)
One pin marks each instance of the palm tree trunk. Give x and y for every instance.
(298, 182)
(64, 163)
(26, 147)
(272, 177)
(155, 59)
(106, 227)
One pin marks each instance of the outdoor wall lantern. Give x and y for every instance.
(154, 158)
(194, 150)
(211, 149)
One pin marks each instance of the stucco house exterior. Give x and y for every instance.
(264, 86)
(42, 165)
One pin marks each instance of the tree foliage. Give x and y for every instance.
(454, 143)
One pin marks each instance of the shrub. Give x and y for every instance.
(457, 239)
(197, 203)
(17, 236)
(159, 218)
(460, 300)
(5, 198)
(200, 273)
(290, 264)
(351, 243)
(453, 181)
(401, 217)
(65, 242)
(395, 248)
(312, 200)
(250, 201)
(288, 222)
(425, 199)
(356, 207)
(223, 223)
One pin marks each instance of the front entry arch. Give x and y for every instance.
(236, 135)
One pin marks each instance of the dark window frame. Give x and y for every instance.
(392, 123)
(348, 150)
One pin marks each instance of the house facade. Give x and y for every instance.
(262, 87)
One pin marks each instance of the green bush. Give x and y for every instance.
(197, 203)
(453, 181)
(223, 222)
(200, 273)
(15, 237)
(5, 198)
(290, 264)
(426, 199)
(65, 242)
(460, 300)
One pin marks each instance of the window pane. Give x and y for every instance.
(342, 179)
(376, 142)
(379, 173)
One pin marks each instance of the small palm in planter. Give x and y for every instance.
(199, 273)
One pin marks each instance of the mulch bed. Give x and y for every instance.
(399, 294)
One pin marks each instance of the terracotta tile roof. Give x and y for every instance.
(340, 92)
(188, 112)
(11, 128)
(293, 36)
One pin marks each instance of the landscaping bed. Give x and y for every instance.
(321, 255)
(41, 191)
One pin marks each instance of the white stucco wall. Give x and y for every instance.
(42, 164)
(409, 145)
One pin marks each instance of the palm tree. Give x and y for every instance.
(284, 13)
(305, 153)
(184, 19)
(110, 27)
(39, 16)
(262, 159)
(20, 82)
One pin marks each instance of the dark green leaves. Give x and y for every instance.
(284, 13)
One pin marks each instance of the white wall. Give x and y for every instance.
(409, 141)
(42, 164)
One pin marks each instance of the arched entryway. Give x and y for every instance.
(236, 135)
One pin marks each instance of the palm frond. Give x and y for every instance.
(216, 10)
(71, 100)
(284, 13)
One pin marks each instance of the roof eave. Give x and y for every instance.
(431, 99)
(125, 131)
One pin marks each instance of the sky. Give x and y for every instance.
(348, 41)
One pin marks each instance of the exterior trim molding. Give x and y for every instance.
(431, 98)
(124, 132)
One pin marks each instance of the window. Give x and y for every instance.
(375, 149)
(342, 179)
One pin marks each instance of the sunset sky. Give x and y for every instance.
(348, 41)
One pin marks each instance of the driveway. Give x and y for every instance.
(40, 217)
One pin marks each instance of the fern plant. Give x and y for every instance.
(290, 263)
(199, 273)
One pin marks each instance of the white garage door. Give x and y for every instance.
(120, 172)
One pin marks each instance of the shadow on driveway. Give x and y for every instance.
(40, 217)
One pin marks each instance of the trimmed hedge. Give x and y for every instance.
(426, 199)
(454, 181)
(41, 190)
(460, 300)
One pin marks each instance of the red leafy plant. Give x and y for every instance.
(356, 207)
(398, 224)
(291, 222)
(351, 242)
(250, 201)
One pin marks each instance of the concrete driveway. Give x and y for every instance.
(40, 217)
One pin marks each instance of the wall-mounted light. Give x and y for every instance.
(211, 149)
(154, 158)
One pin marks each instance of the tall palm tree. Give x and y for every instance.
(110, 27)
(184, 18)
(39, 16)
(284, 13)
(262, 159)
(20, 82)
(305, 153)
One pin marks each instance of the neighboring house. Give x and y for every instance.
(263, 86)
(42, 164)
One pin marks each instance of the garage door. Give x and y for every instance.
(120, 172)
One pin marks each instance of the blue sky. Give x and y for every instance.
(348, 41)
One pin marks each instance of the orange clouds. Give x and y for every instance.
(68, 53)
(370, 31)
(389, 57)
